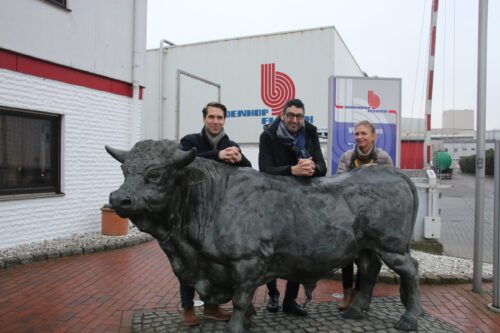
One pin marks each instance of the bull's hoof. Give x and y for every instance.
(407, 323)
(236, 326)
(247, 324)
(251, 311)
(352, 313)
(236, 329)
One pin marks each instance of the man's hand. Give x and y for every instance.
(230, 155)
(305, 167)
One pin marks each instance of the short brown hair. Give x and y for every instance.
(214, 105)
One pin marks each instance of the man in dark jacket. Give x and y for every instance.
(290, 147)
(214, 144)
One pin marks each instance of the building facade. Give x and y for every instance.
(70, 83)
(458, 120)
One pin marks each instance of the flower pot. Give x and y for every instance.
(112, 224)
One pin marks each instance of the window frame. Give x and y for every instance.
(56, 148)
(63, 4)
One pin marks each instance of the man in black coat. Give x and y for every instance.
(290, 147)
(214, 144)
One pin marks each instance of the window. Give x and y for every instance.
(61, 3)
(30, 148)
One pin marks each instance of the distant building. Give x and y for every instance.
(457, 120)
(457, 141)
(463, 143)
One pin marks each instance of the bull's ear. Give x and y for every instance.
(119, 155)
(182, 158)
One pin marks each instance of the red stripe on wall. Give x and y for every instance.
(48, 70)
(8, 60)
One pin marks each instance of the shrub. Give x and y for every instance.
(468, 163)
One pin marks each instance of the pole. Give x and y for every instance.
(430, 79)
(161, 95)
(480, 146)
(495, 306)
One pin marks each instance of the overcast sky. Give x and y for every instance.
(388, 38)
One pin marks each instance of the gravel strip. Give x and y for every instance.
(432, 268)
(458, 270)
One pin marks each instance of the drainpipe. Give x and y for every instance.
(139, 51)
(160, 87)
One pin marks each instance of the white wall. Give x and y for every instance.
(94, 35)
(91, 120)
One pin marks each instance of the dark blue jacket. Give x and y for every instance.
(205, 150)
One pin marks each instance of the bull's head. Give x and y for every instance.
(152, 188)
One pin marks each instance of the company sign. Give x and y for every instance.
(352, 99)
(276, 88)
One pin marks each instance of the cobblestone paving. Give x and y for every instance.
(458, 214)
(323, 317)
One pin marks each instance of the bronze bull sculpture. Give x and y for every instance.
(228, 230)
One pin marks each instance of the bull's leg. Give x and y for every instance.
(368, 266)
(242, 310)
(245, 274)
(407, 269)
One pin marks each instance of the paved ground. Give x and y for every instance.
(323, 317)
(127, 289)
(457, 212)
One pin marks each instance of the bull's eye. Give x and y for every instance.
(154, 175)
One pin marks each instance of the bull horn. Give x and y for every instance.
(182, 158)
(119, 155)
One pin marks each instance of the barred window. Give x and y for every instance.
(30, 150)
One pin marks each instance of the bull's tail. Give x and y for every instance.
(308, 289)
(415, 206)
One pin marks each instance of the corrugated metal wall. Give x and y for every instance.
(412, 154)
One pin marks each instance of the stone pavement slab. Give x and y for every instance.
(458, 214)
(323, 317)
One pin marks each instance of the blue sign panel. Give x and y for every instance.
(353, 99)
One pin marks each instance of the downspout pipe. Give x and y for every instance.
(138, 58)
(160, 87)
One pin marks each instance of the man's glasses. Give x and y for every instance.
(291, 115)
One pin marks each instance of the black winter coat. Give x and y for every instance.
(277, 159)
(205, 150)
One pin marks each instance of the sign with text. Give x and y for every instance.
(352, 99)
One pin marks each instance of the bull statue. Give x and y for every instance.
(228, 230)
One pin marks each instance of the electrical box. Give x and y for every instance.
(432, 227)
(432, 177)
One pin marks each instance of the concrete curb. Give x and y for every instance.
(426, 278)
